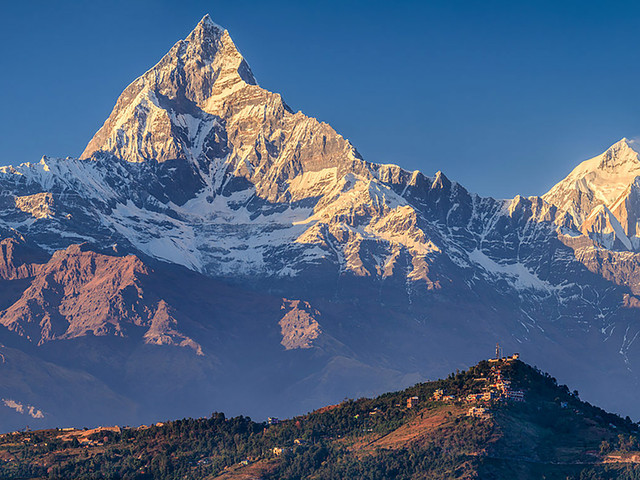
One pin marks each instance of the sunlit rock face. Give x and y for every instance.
(200, 166)
(212, 245)
(299, 324)
(601, 196)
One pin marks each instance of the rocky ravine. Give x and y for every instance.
(214, 249)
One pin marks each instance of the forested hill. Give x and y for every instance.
(499, 419)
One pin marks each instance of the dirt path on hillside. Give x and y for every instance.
(422, 426)
(253, 471)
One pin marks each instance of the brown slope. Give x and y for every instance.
(253, 471)
(80, 292)
(427, 424)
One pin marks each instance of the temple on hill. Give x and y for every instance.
(501, 358)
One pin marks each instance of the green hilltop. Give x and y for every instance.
(500, 419)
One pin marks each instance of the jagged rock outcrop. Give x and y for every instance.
(79, 293)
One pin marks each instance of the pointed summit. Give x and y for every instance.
(619, 155)
(597, 181)
(200, 113)
(208, 24)
(206, 28)
(440, 181)
(208, 35)
(194, 78)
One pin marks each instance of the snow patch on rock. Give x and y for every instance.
(516, 274)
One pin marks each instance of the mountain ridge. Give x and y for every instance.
(207, 181)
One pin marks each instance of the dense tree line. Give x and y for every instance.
(320, 444)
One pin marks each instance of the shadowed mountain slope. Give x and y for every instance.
(211, 240)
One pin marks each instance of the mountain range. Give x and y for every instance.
(213, 249)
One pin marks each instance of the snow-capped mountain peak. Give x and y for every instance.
(211, 42)
(207, 24)
(621, 156)
(600, 180)
(199, 167)
(160, 114)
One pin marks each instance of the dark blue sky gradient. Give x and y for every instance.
(504, 97)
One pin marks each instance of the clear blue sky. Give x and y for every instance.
(504, 97)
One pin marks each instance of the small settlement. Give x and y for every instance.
(496, 388)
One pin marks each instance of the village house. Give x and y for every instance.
(474, 397)
(412, 402)
(501, 387)
(478, 412)
(490, 395)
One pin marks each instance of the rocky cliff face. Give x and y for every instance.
(211, 240)
(79, 293)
